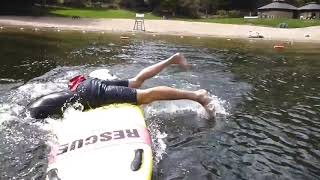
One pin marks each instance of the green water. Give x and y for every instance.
(271, 129)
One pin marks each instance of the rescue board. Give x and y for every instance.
(117, 147)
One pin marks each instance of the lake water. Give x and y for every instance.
(268, 102)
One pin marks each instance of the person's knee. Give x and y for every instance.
(135, 82)
(144, 96)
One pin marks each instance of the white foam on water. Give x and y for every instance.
(216, 106)
(53, 81)
(70, 124)
(37, 89)
(158, 144)
(41, 86)
(9, 112)
(15, 100)
(103, 74)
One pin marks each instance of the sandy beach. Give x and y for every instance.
(169, 27)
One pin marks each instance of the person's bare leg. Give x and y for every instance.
(147, 96)
(153, 70)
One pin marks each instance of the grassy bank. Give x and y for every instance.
(292, 23)
(126, 14)
(97, 13)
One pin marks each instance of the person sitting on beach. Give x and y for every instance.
(94, 92)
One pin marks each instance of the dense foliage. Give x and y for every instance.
(15, 6)
(188, 8)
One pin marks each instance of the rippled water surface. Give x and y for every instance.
(267, 126)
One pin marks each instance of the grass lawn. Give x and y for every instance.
(126, 14)
(292, 23)
(97, 13)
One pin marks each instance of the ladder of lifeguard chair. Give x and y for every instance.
(139, 22)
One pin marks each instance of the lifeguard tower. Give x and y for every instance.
(139, 23)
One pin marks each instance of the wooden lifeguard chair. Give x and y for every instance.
(139, 23)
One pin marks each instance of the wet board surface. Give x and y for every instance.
(116, 145)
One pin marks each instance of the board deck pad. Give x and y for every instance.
(116, 145)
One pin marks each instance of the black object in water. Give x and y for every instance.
(50, 105)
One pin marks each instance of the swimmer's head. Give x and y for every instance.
(103, 74)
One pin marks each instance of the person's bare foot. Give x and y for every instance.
(205, 100)
(203, 97)
(179, 59)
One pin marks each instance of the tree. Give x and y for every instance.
(169, 5)
(134, 4)
(16, 6)
(205, 6)
(189, 8)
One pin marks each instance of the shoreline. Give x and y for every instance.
(167, 27)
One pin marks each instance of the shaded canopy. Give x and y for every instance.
(280, 5)
(311, 6)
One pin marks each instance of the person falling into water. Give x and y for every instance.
(93, 92)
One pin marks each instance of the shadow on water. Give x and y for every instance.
(269, 128)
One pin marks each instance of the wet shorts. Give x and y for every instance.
(95, 92)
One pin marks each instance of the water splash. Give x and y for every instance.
(158, 112)
(217, 106)
(103, 74)
(158, 144)
(9, 112)
(176, 107)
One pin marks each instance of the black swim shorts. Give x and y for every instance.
(95, 92)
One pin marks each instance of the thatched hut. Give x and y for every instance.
(310, 11)
(277, 9)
